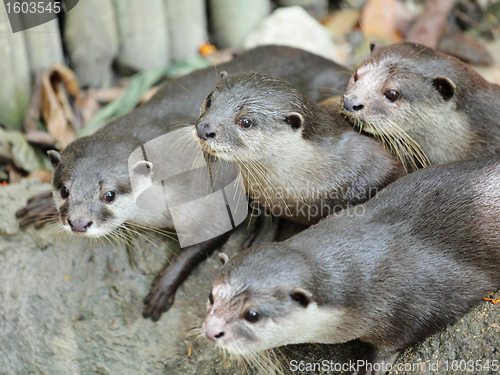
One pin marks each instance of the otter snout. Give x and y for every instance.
(204, 131)
(352, 104)
(79, 225)
(213, 328)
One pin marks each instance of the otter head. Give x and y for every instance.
(269, 296)
(395, 85)
(402, 91)
(250, 117)
(92, 193)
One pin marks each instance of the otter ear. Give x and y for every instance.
(445, 87)
(301, 296)
(373, 46)
(223, 258)
(223, 75)
(54, 158)
(142, 169)
(294, 119)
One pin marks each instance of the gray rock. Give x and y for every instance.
(187, 25)
(91, 38)
(232, 20)
(15, 74)
(294, 27)
(143, 32)
(71, 306)
(44, 46)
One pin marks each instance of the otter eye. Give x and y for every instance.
(208, 103)
(64, 192)
(244, 122)
(109, 197)
(392, 95)
(355, 77)
(251, 316)
(211, 298)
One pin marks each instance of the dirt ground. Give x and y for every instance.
(72, 306)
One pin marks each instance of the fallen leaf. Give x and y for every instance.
(15, 174)
(149, 94)
(62, 118)
(378, 21)
(42, 138)
(342, 21)
(105, 95)
(432, 24)
(41, 175)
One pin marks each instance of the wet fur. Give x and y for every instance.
(299, 160)
(423, 253)
(93, 165)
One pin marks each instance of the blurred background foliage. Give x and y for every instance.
(68, 77)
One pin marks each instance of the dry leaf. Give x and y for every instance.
(432, 24)
(42, 138)
(105, 95)
(149, 94)
(41, 175)
(378, 21)
(63, 120)
(342, 21)
(15, 174)
(90, 106)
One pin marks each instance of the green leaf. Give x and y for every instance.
(138, 85)
(25, 156)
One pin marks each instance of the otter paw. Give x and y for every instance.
(160, 299)
(39, 210)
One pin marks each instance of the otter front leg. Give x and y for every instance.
(39, 210)
(164, 286)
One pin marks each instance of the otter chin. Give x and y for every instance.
(204, 145)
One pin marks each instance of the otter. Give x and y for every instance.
(375, 272)
(428, 107)
(91, 184)
(298, 160)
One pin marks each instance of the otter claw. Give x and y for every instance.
(158, 301)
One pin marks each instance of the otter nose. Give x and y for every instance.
(214, 328)
(352, 105)
(204, 131)
(79, 225)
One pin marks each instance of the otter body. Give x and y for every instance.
(299, 161)
(429, 107)
(91, 183)
(390, 272)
